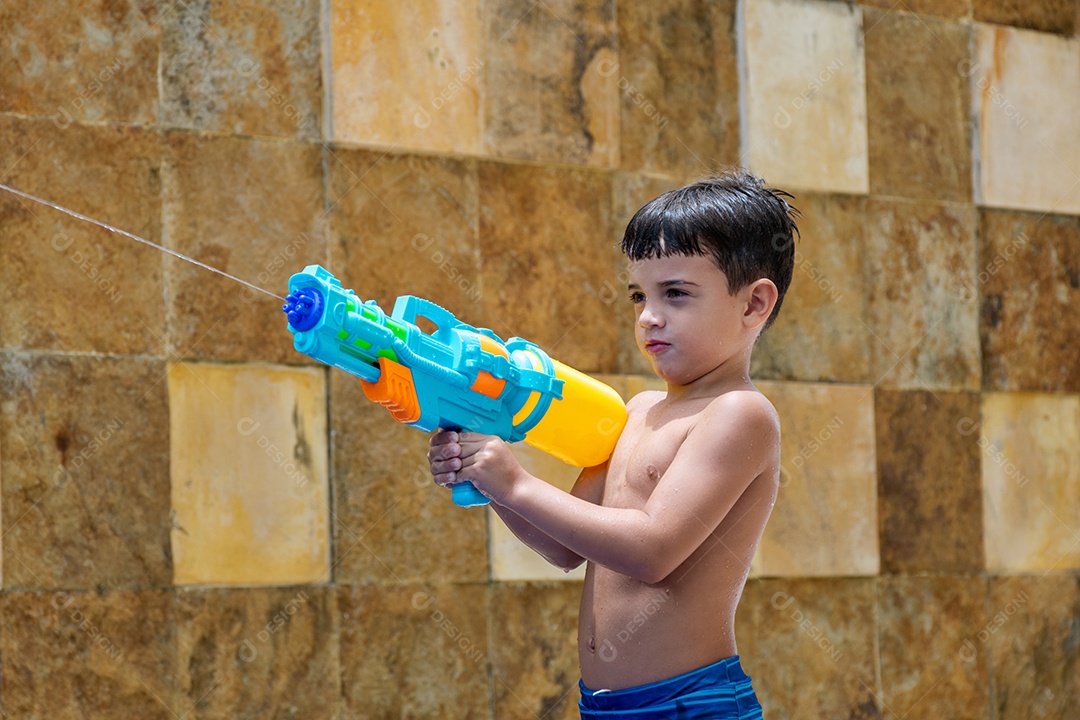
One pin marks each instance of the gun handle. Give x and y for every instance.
(465, 494)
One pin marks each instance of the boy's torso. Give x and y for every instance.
(631, 633)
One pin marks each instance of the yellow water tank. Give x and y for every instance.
(582, 428)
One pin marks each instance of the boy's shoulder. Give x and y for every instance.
(745, 404)
(644, 400)
(711, 425)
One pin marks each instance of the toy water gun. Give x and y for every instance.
(458, 377)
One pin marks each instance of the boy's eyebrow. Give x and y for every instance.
(664, 284)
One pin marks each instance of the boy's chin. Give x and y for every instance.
(670, 375)
(677, 375)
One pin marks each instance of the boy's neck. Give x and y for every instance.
(731, 374)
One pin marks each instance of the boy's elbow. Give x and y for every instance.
(651, 570)
(570, 564)
(567, 561)
(652, 575)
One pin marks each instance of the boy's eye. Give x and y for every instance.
(636, 297)
(672, 292)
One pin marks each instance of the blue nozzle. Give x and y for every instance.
(304, 308)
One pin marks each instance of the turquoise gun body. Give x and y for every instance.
(457, 377)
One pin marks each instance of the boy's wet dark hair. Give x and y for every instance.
(747, 228)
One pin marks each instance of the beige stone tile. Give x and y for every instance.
(258, 652)
(1028, 154)
(638, 384)
(929, 491)
(1029, 287)
(85, 450)
(244, 67)
(1057, 16)
(923, 321)
(1031, 481)
(678, 83)
(942, 8)
(415, 651)
(404, 224)
(805, 99)
(549, 93)
(253, 209)
(821, 332)
(825, 518)
(534, 661)
(809, 646)
(544, 241)
(627, 386)
(1030, 638)
(1, 498)
(85, 654)
(928, 669)
(392, 524)
(66, 284)
(80, 62)
(250, 495)
(918, 106)
(407, 74)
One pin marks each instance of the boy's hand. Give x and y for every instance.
(483, 460)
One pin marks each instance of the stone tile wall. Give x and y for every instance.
(200, 522)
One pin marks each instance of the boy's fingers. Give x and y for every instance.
(445, 479)
(444, 436)
(445, 466)
(467, 460)
(443, 452)
(475, 440)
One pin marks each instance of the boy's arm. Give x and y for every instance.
(588, 487)
(729, 446)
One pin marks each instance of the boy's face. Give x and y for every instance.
(687, 323)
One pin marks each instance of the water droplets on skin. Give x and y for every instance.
(110, 228)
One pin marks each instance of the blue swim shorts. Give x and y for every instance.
(721, 691)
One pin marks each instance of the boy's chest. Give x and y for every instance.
(642, 456)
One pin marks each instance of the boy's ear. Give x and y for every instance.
(761, 298)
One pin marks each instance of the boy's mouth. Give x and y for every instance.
(655, 346)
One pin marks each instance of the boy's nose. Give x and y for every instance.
(649, 318)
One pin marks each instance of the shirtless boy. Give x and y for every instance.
(669, 524)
